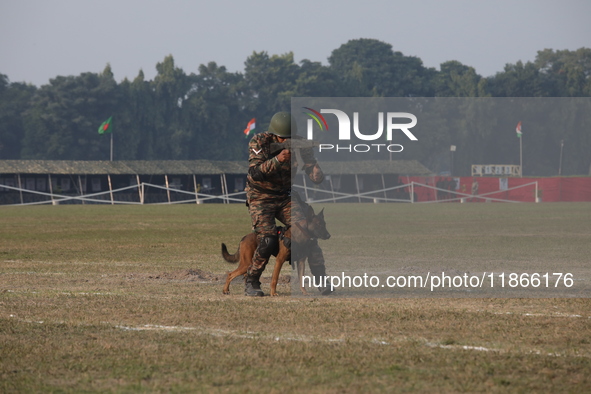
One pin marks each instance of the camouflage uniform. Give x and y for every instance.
(268, 194)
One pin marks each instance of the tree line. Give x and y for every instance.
(180, 116)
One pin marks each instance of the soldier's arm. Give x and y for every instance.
(259, 162)
(311, 167)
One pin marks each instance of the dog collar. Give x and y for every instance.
(306, 232)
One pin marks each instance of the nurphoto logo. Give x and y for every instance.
(392, 120)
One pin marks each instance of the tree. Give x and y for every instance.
(269, 83)
(458, 80)
(63, 117)
(201, 116)
(370, 68)
(14, 101)
(565, 73)
(135, 121)
(517, 80)
(212, 112)
(316, 80)
(170, 86)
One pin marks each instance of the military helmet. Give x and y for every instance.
(281, 125)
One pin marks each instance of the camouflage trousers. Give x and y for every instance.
(264, 209)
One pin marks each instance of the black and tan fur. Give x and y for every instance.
(302, 232)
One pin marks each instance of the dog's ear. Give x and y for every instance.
(310, 214)
(321, 214)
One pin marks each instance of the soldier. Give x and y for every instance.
(268, 196)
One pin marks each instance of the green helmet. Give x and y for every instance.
(281, 125)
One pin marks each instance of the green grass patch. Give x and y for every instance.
(106, 299)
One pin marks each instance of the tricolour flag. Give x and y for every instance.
(518, 130)
(250, 127)
(105, 127)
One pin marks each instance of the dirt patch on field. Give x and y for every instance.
(190, 275)
(197, 275)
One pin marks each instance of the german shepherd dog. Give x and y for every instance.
(303, 232)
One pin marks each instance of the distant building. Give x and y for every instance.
(176, 181)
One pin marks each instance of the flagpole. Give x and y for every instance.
(521, 156)
(560, 163)
(106, 128)
(520, 136)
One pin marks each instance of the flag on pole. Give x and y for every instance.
(518, 130)
(250, 128)
(106, 126)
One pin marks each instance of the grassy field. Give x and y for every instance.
(127, 299)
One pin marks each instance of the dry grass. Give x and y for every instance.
(102, 299)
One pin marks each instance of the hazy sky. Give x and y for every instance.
(41, 39)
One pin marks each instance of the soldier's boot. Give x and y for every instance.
(325, 290)
(253, 285)
(319, 272)
(325, 287)
(268, 245)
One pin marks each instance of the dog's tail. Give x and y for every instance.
(230, 258)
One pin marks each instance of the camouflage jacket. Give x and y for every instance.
(267, 175)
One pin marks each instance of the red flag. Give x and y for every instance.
(518, 130)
